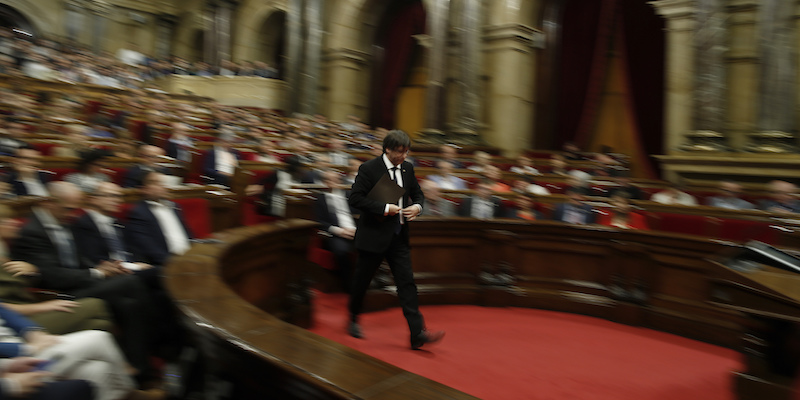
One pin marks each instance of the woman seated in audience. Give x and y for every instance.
(622, 216)
(86, 355)
(266, 152)
(523, 209)
(91, 170)
(558, 165)
(493, 174)
(524, 166)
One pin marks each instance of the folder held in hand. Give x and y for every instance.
(386, 191)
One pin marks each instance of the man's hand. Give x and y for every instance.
(411, 212)
(28, 381)
(40, 340)
(143, 266)
(112, 268)
(23, 364)
(20, 268)
(56, 305)
(347, 233)
(392, 209)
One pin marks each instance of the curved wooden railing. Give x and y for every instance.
(240, 294)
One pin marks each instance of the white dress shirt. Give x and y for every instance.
(174, 233)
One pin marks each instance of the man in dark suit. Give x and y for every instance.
(46, 243)
(482, 204)
(221, 162)
(783, 200)
(383, 233)
(149, 156)
(26, 179)
(156, 229)
(574, 211)
(333, 213)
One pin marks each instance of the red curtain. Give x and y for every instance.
(589, 26)
(401, 22)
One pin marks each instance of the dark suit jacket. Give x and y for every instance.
(144, 237)
(135, 175)
(591, 216)
(91, 243)
(19, 187)
(375, 231)
(324, 214)
(210, 167)
(465, 209)
(34, 246)
(178, 151)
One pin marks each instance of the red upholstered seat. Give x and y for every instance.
(250, 215)
(740, 230)
(320, 256)
(683, 223)
(197, 214)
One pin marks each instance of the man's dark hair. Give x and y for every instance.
(396, 139)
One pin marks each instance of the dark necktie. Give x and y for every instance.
(115, 245)
(399, 219)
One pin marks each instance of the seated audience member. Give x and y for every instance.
(606, 166)
(448, 152)
(91, 170)
(729, 193)
(271, 189)
(77, 143)
(494, 175)
(155, 228)
(10, 140)
(149, 156)
(580, 183)
(125, 149)
(482, 160)
(445, 178)
(57, 316)
(435, 204)
(336, 153)
(523, 209)
(673, 195)
(783, 199)
(622, 216)
(25, 178)
(524, 166)
(558, 165)
(528, 185)
(625, 187)
(179, 145)
(571, 151)
(482, 205)
(335, 217)
(352, 171)
(266, 152)
(87, 355)
(221, 162)
(574, 211)
(100, 129)
(46, 243)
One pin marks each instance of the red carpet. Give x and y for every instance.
(515, 353)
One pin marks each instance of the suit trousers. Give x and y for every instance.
(91, 356)
(398, 256)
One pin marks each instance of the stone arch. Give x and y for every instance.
(188, 27)
(43, 21)
(251, 27)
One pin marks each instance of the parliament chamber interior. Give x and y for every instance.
(611, 207)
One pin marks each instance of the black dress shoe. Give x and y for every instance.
(426, 337)
(354, 329)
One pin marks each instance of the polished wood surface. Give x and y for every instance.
(247, 298)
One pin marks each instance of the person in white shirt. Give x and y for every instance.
(524, 166)
(332, 211)
(673, 195)
(445, 179)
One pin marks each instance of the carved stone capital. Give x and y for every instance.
(353, 58)
(517, 36)
(675, 9)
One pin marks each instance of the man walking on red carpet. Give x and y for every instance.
(382, 232)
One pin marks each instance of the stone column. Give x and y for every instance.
(710, 70)
(345, 67)
(209, 35)
(435, 44)
(294, 52)
(467, 124)
(679, 69)
(74, 20)
(223, 29)
(742, 61)
(511, 62)
(777, 81)
(314, 13)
